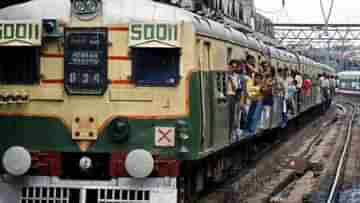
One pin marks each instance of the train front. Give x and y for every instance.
(94, 102)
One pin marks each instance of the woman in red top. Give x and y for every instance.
(307, 86)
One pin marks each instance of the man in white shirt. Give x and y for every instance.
(299, 80)
(232, 86)
(291, 91)
(299, 85)
(325, 85)
(332, 85)
(281, 90)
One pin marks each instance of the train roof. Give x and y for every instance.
(281, 54)
(138, 11)
(348, 73)
(135, 11)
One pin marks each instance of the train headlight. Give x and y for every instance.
(79, 6)
(182, 131)
(120, 129)
(139, 163)
(184, 136)
(16, 161)
(85, 163)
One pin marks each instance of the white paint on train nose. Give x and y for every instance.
(16, 161)
(139, 163)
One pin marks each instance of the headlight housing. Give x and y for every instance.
(183, 134)
(86, 9)
(16, 161)
(120, 129)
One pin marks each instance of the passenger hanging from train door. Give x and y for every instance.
(251, 66)
(280, 90)
(268, 101)
(319, 93)
(324, 85)
(240, 109)
(291, 87)
(243, 78)
(333, 86)
(231, 94)
(299, 92)
(306, 87)
(254, 89)
(329, 86)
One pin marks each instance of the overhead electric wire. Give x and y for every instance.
(327, 18)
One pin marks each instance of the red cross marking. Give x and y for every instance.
(164, 135)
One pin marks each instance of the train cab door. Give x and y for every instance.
(220, 105)
(205, 80)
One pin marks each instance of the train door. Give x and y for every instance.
(277, 107)
(207, 94)
(220, 119)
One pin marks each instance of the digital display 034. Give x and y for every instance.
(85, 61)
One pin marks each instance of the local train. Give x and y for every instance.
(348, 82)
(118, 101)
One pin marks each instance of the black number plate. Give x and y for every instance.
(85, 62)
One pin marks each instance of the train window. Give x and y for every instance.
(23, 69)
(241, 12)
(207, 55)
(218, 82)
(229, 55)
(197, 52)
(156, 66)
(221, 82)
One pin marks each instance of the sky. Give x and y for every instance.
(309, 11)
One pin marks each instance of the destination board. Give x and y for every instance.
(143, 34)
(20, 33)
(85, 61)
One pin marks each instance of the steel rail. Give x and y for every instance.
(340, 167)
(342, 108)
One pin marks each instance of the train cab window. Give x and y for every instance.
(23, 69)
(156, 66)
(229, 54)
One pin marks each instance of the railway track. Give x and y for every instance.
(253, 176)
(341, 164)
(321, 175)
(325, 181)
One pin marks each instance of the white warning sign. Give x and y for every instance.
(164, 137)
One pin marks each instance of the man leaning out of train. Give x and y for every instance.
(269, 80)
(291, 88)
(280, 91)
(324, 85)
(251, 67)
(268, 100)
(299, 86)
(232, 96)
(243, 78)
(333, 85)
(307, 87)
(254, 89)
(329, 100)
